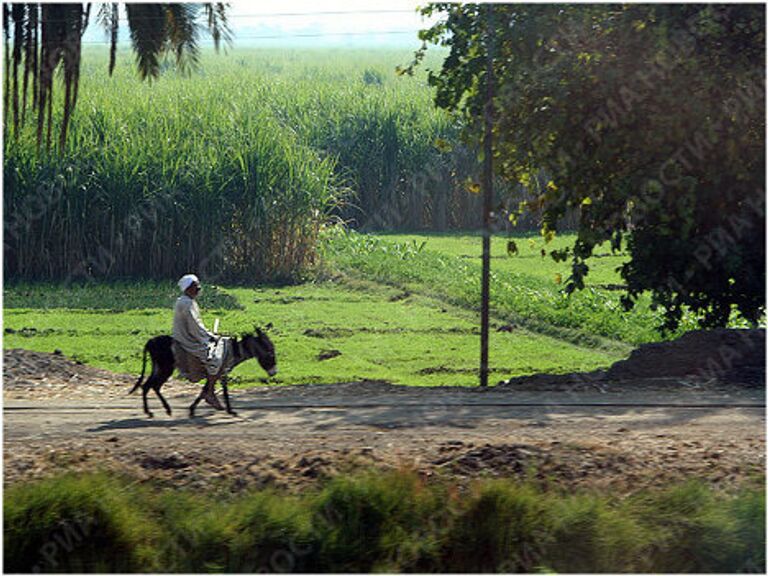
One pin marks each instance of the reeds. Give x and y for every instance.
(230, 173)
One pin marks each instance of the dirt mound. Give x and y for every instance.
(22, 365)
(29, 375)
(702, 357)
(702, 354)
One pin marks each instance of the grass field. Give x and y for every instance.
(395, 307)
(381, 334)
(527, 262)
(524, 287)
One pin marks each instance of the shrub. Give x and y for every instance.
(591, 535)
(377, 522)
(70, 524)
(693, 530)
(503, 528)
(272, 533)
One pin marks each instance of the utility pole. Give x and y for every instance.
(487, 196)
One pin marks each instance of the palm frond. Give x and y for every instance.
(6, 39)
(183, 30)
(108, 17)
(73, 26)
(218, 25)
(30, 56)
(19, 16)
(149, 32)
(34, 27)
(41, 37)
(53, 37)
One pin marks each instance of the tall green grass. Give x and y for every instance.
(379, 521)
(86, 524)
(158, 179)
(230, 172)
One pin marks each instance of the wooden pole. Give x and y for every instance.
(487, 198)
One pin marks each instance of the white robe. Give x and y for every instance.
(191, 337)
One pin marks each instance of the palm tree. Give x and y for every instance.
(46, 37)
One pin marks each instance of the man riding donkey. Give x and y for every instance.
(199, 353)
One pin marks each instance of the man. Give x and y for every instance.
(194, 345)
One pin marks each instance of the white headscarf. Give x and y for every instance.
(187, 280)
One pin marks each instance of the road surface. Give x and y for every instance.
(621, 436)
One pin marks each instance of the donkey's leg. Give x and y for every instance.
(158, 377)
(224, 381)
(165, 404)
(156, 388)
(157, 382)
(208, 393)
(144, 391)
(196, 402)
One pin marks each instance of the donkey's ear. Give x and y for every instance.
(257, 330)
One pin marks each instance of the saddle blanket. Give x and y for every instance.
(196, 367)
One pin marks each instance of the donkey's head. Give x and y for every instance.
(259, 346)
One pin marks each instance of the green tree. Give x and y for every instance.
(646, 119)
(47, 37)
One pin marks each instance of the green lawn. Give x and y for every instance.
(528, 261)
(381, 334)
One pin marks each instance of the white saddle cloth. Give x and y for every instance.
(196, 366)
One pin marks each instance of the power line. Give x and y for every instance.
(283, 14)
(300, 35)
(272, 15)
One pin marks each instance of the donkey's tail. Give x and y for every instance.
(143, 369)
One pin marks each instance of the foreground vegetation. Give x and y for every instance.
(378, 521)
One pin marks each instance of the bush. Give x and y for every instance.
(590, 535)
(748, 509)
(71, 524)
(378, 522)
(695, 530)
(272, 533)
(504, 528)
(197, 532)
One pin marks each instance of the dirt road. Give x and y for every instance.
(623, 436)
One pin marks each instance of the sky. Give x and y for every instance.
(330, 21)
(306, 23)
